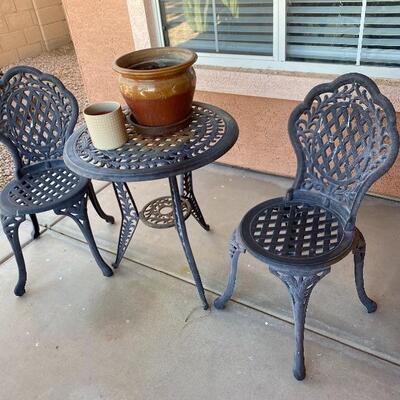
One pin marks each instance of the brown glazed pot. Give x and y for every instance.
(157, 84)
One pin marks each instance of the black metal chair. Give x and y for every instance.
(37, 115)
(345, 138)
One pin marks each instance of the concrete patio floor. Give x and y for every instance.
(143, 335)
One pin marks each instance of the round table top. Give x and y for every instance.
(211, 132)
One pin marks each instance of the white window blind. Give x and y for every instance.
(220, 26)
(336, 31)
(381, 38)
(323, 30)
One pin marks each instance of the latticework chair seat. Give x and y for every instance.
(42, 187)
(294, 232)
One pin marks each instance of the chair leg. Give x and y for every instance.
(78, 212)
(359, 249)
(188, 193)
(93, 198)
(36, 228)
(235, 249)
(300, 285)
(10, 227)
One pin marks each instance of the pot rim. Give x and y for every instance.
(154, 73)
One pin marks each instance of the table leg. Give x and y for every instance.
(181, 228)
(130, 218)
(188, 193)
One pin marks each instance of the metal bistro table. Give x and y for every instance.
(211, 132)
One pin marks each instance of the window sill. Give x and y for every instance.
(274, 84)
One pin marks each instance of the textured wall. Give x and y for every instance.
(51, 18)
(28, 27)
(100, 30)
(263, 144)
(20, 34)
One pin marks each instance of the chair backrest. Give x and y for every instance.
(345, 138)
(37, 115)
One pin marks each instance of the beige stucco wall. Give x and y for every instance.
(29, 27)
(100, 30)
(263, 144)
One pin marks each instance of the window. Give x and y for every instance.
(344, 31)
(219, 26)
(291, 34)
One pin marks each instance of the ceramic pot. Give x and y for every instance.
(157, 84)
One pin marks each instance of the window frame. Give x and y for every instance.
(276, 62)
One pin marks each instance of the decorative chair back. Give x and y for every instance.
(345, 138)
(37, 115)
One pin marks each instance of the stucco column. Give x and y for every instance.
(142, 23)
(101, 32)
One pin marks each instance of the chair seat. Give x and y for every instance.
(283, 232)
(41, 188)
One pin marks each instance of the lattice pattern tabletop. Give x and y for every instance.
(211, 132)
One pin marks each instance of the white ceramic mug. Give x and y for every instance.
(106, 125)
